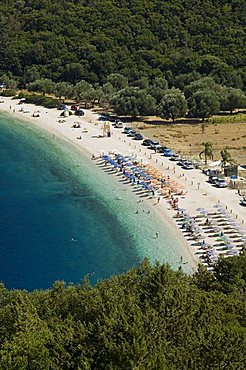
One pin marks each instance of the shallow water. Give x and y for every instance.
(62, 216)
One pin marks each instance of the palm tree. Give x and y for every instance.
(225, 157)
(208, 151)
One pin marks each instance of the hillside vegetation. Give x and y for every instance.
(67, 40)
(148, 318)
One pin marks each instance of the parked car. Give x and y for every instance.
(243, 202)
(132, 133)
(104, 117)
(181, 161)
(74, 107)
(118, 124)
(175, 158)
(79, 112)
(212, 179)
(162, 148)
(155, 145)
(146, 142)
(127, 130)
(210, 172)
(188, 165)
(138, 137)
(220, 183)
(168, 152)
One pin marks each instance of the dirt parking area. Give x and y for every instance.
(186, 138)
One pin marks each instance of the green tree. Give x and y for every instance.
(63, 89)
(204, 83)
(225, 157)
(207, 151)
(231, 98)
(203, 103)
(157, 88)
(10, 83)
(118, 81)
(184, 79)
(32, 74)
(44, 86)
(84, 91)
(133, 101)
(173, 105)
(73, 73)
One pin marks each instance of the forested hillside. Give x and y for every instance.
(180, 40)
(147, 319)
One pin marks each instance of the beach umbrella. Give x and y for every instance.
(182, 209)
(234, 252)
(229, 246)
(200, 209)
(222, 210)
(217, 206)
(217, 228)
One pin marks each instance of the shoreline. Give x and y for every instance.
(92, 143)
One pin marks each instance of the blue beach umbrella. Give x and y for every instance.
(222, 210)
(234, 252)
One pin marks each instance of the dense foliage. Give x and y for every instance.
(148, 318)
(129, 55)
(74, 40)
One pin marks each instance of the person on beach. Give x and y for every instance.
(156, 235)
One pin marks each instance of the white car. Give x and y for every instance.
(188, 165)
(220, 183)
(155, 145)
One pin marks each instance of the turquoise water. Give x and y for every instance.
(62, 216)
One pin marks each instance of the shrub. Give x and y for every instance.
(39, 100)
(8, 93)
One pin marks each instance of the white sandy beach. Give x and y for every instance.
(200, 194)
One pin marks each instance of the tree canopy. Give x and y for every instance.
(133, 101)
(148, 318)
(173, 104)
(77, 40)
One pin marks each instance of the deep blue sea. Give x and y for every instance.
(62, 217)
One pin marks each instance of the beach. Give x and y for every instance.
(88, 138)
